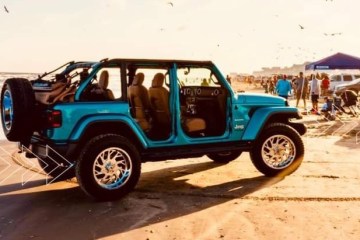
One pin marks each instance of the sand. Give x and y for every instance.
(198, 199)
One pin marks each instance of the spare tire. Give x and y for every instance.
(17, 109)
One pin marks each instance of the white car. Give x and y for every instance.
(337, 79)
(353, 85)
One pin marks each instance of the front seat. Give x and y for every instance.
(159, 102)
(104, 83)
(139, 101)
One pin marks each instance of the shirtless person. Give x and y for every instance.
(301, 89)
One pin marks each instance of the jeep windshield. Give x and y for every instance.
(195, 76)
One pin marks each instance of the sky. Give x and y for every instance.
(237, 35)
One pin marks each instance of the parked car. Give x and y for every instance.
(124, 112)
(337, 79)
(353, 85)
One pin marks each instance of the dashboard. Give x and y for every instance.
(201, 91)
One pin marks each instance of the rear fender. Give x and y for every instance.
(114, 123)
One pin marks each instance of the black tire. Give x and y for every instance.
(224, 157)
(124, 151)
(17, 109)
(58, 173)
(286, 135)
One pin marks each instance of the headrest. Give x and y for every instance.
(104, 79)
(158, 80)
(138, 79)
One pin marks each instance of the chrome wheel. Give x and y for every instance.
(278, 151)
(7, 110)
(112, 168)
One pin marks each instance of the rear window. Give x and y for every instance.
(335, 78)
(348, 78)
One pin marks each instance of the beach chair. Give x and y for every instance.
(350, 101)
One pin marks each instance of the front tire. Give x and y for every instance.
(109, 167)
(279, 150)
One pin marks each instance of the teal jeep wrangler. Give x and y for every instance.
(101, 120)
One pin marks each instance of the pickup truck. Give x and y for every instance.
(99, 121)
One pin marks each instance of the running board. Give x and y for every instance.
(195, 150)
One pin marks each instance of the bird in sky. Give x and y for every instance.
(301, 27)
(332, 34)
(6, 10)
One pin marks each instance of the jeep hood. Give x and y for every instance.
(254, 99)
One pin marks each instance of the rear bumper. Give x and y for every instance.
(40, 148)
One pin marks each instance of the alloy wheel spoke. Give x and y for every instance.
(278, 151)
(112, 168)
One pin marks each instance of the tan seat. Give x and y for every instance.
(49, 97)
(139, 100)
(193, 124)
(67, 95)
(159, 102)
(104, 83)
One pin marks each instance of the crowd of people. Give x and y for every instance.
(303, 88)
(300, 87)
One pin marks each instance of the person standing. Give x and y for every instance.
(301, 89)
(293, 85)
(325, 84)
(315, 92)
(266, 86)
(228, 78)
(283, 87)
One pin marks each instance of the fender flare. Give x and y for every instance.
(261, 116)
(86, 124)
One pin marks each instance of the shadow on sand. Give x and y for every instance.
(52, 212)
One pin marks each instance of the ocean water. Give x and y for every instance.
(3, 77)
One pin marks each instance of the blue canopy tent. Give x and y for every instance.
(336, 61)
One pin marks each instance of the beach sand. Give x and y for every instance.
(198, 199)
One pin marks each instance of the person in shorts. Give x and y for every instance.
(301, 89)
(315, 92)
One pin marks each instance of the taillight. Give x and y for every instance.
(54, 118)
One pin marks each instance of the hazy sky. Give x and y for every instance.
(238, 35)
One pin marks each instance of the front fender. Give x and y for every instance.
(261, 116)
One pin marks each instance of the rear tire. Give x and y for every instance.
(17, 109)
(224, 157)
(109, 167)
